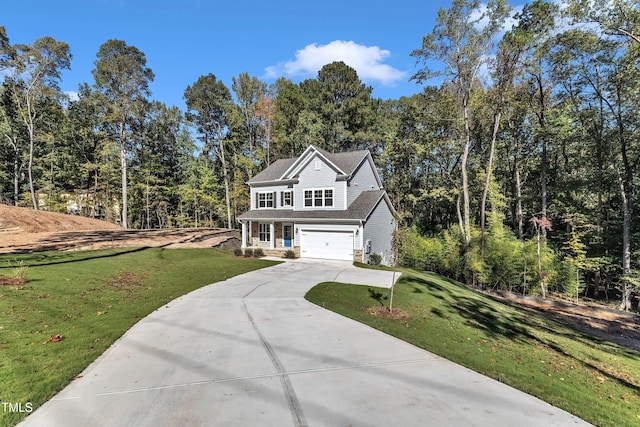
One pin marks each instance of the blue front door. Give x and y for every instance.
(286, 231)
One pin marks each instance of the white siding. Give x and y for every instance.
(324, 178)
(268, 189)
(363, 180)
(379, 229)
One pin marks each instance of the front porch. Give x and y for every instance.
(274, 238)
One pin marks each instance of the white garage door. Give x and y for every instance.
(327, 244)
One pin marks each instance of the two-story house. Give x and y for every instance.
(320, 205)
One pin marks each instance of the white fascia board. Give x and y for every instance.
(305, 159)
(301, 221)
(295, 164)
(274, 183)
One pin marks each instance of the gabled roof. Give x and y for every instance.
(347, 161)
(274, 171)
(286, 169)
(360, 210)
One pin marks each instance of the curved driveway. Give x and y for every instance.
(250, 351)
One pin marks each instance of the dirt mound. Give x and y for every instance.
(15, 219)
(620, 327)
(27, 230)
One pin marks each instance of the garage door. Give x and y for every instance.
(327, 244)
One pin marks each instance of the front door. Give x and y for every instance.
(286, 231)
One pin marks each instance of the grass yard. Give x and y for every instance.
(590, 378)
(90, 299)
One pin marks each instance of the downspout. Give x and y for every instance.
(361, 232)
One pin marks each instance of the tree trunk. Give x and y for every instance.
(16, 180)
(627, 194)
(543, 159)
(626, 191)
(543, 285)
(31, 129)
(123, 165)
(465, 180)
(459, 212)
(519, 214)
(16, 170)
(225, 174)
(487, 183)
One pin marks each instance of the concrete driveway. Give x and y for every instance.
(250, 351)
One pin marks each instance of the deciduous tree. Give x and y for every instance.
(122, 78)
(209, 104)
(461, 39)
(35, 71)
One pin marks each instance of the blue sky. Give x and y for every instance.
(183, 40)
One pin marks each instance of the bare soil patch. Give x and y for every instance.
(26, 230)
(619, 327)
(12, 281)
(381, 311)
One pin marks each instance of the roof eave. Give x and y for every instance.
(294, 219)
(272, 182)
(297, 165)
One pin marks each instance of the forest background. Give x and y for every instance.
(518, 171)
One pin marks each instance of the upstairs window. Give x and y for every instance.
(286, 199)
(328, 197)
(321, 197)
(265, 200)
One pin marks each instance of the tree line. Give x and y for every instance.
(517, 170)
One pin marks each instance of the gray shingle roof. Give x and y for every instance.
(347, 162)
(359, 210)
(273, 171)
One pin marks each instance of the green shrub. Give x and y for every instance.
(290, 254)
(258, 253)
(237, 252)
(375, 259)
(18, 269)
(248, 253)
(508, 263)
(422, 253)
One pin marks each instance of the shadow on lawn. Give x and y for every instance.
(50, 258)
(378, 296)
(479, 313)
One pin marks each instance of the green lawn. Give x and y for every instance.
(90, 298)
(593, 379)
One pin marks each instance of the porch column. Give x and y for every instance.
(272, 235)
(250, 234)
(244, 235)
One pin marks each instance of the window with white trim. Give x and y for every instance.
(286, 200)
(318, 197)
(265, 200)
(264, 232)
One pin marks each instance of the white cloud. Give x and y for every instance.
(366, 60)
(72, 95)
(480, 20)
